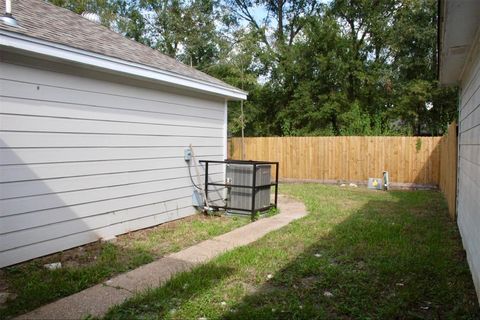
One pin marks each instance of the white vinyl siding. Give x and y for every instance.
(87, 158)
(468, 201)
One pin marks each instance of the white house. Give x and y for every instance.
(93, 128)
(459, 45)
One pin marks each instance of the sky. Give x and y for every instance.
(259, 12)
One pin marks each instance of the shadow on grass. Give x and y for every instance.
(35, 285)
(358, 254)
(83, 267)
(173, 295)
(378, 263)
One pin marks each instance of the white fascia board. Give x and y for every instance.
(58, 51)
(457, 39)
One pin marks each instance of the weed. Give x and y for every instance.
(389, 255)
(88, 265)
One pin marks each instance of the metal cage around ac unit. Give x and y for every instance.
(248, 185)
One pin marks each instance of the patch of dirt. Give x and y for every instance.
(460, 255)
(269, 288)
(3, 281)
(265, 289)
(144, 233)
(5, 295)
(79, 256)
(360, 265)
(87, 254)
(348, 204)
(249, 288)
(309, 282)
(423, 211)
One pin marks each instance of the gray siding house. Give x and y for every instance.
(93, 128)
(460, 65)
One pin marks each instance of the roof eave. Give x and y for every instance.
(456, 40)
(127, 68)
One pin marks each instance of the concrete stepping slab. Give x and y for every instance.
(150, 275)
(256, 230)
(97, 300)
(203, 251)
(93, 301)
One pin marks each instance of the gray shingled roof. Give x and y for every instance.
(42, 20)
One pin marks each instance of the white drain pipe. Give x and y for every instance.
(8, 18)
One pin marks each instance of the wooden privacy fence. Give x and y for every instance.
(409, 160)
(448, 168)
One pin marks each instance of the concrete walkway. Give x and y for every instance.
(98, 299)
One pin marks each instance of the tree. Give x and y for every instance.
(415, 63)
(106, 9)
(186, 30)
(363, 67)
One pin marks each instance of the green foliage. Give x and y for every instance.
(272, 212)
(106, 9)
(269, 213)
(355, 69)
(344, 67)
(355, 122)
(418, 145)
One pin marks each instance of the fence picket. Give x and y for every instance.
(408, 159)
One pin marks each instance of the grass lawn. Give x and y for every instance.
(85, 266)
(359, 254)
